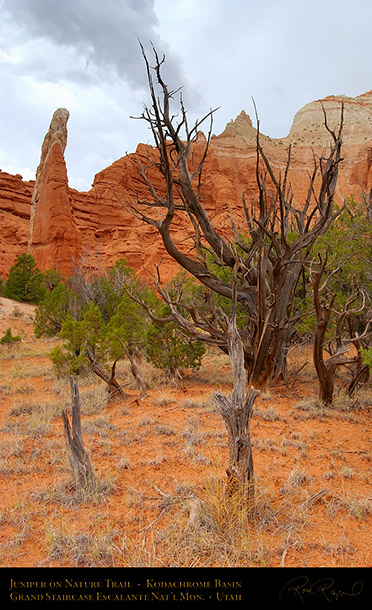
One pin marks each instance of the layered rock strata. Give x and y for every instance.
(15, 205)
(60, 216)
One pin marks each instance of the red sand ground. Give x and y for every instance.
(158, 455)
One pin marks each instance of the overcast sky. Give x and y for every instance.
(84, 55)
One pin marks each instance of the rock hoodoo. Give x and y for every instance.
(54, 238)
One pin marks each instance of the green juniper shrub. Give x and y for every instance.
(95, 317)
(126, 329)
(25, 281)
(348, 247)
(80, 335)
(52, 311)
(61, 361)
(9, 339)
(51, 278)
(170, 348)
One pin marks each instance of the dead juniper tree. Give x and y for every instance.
(257, 270)
(78, 457)
(272, 246)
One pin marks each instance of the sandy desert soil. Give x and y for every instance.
(161, 465)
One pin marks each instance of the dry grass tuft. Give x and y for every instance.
(219, 531)
(82, 548)
(343, 406)
(66, 493)
(360, 508)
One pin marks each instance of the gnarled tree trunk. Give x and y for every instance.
(130, 353)
(142, 386)
(325, 372)
(78, 457)
(361, 376)
(114, 387)
(325, 369)
(236, 411)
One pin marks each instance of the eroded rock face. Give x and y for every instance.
(15, 206)
(60, 216)
(55, 240)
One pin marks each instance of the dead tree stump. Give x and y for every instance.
(236, 411)
(78, 457)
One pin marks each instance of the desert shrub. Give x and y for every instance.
(126, 329)
(348, 245)
(100, 323)
(79, 334)
(9, 339)
(52, 311)
(97, 320)
(62, 362)
(170, 348)
(102, 287)
(51, 278)
(24, 281)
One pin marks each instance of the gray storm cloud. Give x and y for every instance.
(84, 55)
(101, 36)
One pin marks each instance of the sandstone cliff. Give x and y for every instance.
(15, 204)
(62, 216)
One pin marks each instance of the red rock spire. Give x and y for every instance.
(55, 240)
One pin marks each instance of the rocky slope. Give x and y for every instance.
(66, 223)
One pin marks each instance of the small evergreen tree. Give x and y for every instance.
(52, 311)
(341, 287)
(24, 281)
(82, 335)
(171, 348)
(126, 333)
(86, 348)
(50, 279)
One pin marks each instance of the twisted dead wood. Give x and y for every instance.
(78, 457)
